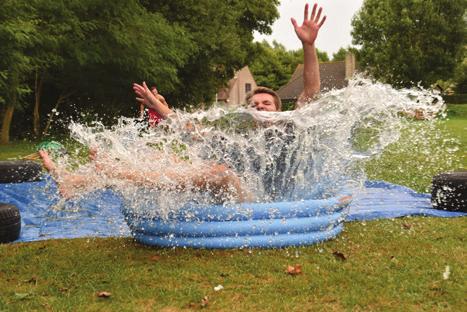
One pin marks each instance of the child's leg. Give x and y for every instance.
(217, 179)
(220, 180)
(67, 182)
(47, 162)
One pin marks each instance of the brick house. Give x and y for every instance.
(334, 75)
(237, 88)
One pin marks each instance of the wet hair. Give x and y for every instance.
(260, 90)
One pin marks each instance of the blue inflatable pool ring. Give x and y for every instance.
(246, 225)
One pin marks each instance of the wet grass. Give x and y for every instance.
(16, 150)
(390, 265)
(424, 150)
(457, 124)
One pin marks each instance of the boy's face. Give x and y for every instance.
(263, 102)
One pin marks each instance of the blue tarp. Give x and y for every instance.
(99, 214)
(383, 200)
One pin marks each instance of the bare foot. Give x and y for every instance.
(48, 163)
(67, 183)
(344, 200)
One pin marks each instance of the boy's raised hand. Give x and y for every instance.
(308, 31)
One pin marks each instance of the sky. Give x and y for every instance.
(334, 34)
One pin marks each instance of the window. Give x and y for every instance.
(247, 87)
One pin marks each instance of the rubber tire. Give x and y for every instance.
(10, 223)
(449, 191)
(19, 171)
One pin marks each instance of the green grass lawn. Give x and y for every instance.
(16, 150)
(457, 121)
(385, 265)
(422, 153)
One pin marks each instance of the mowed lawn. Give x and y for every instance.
(406, 264)
(424, 150)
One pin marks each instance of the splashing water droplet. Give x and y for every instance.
(289, 156)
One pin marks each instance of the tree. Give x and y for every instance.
(120, 43)
(93, 49)
(221, 33)
(340, 55)
(17, 33)
(461, 78)
(322, 55)
(404, 42)
(460, 74)
(86, 53)
(273, 65)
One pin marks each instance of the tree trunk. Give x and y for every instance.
(6, 123)
(37, 100)
(12, 100)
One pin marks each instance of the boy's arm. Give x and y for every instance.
(307, 33)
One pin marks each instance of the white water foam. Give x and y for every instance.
(310, 152)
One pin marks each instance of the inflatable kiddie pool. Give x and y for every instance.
(246, 225)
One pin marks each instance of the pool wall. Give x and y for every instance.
(247, 225)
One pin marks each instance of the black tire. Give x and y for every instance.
(449, 191)
(10, 223)
(19, 171)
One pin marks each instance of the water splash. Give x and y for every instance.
(307, 153)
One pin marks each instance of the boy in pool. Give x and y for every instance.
(217, 179)
(261, 98)
(264, 99)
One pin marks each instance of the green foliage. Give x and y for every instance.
(88, 52)
(460, 74)
(3, 78)
(455, 98)
(18, 33)
(221, 35)
(273, 65)
(175, 146)
(104, 52)
(92, 49)
(233, 122)
(340, 55)
(404, 42)
(322, 55)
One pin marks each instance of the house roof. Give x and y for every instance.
(332, 77)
